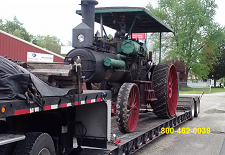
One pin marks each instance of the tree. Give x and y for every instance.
(219, 68)
(1, 24)
(195, 38)
(15, 28)
(51, 43)
(69, 43)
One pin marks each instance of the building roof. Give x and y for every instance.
(145, 21)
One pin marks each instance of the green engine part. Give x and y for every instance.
(119, 57)
(143, 49)
(130, 47)
(113, 62)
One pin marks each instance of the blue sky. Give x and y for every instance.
(58, 18)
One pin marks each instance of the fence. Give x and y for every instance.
(194, 87)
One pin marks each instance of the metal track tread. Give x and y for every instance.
(162, 82)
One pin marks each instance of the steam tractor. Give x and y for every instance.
(122, 64)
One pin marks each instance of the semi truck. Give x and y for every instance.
(46, 111)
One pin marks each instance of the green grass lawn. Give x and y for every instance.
(189, 90)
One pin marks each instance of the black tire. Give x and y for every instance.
(165, 106)
(7, 149)
(192, 110)
(35, 144)
(197, 108)
(123, 108)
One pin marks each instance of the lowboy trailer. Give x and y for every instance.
(41, 121)
(22, 123)
(45, 111)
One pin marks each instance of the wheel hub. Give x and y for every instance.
(44, 151)
(170, 90)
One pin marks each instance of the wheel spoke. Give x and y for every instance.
(131, 103)
(132, 119)
(171, 104)
(132, 99)
(133, 108)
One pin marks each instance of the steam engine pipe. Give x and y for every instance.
(88, 12)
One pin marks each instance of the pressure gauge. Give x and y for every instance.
(80, 37)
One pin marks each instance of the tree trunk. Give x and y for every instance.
(215, 82)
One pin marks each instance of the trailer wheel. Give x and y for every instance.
(127, 108)
(7, 149)
(197, 108)
(192, 108)
(165, 86)
(35, 144)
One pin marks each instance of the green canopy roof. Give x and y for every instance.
(142, 20)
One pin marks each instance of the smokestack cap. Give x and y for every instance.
(89, 2)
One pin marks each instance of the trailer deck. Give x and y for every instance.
(19, 107)
(148, 128)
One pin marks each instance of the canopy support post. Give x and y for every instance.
(132, 26)
(101, 23)
(160, 45)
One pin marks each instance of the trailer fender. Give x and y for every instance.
(35, 144)
(38, 122)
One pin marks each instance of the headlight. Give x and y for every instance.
(80, 37)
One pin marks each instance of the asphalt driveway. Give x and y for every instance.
(212, 116)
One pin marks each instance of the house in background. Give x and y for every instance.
(194, 82)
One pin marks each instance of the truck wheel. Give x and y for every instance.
(35, 144)
(127, 108)
(165, 86)
(197, 108)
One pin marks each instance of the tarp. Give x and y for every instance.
(15, 81)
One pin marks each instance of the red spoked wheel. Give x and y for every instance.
(128, 106)
(165, 85)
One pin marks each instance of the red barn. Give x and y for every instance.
(21, 50)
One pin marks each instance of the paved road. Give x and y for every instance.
(212, 115)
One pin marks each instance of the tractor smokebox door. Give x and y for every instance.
(130, 47)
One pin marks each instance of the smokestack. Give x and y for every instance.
(83, 34)
(88, 12)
